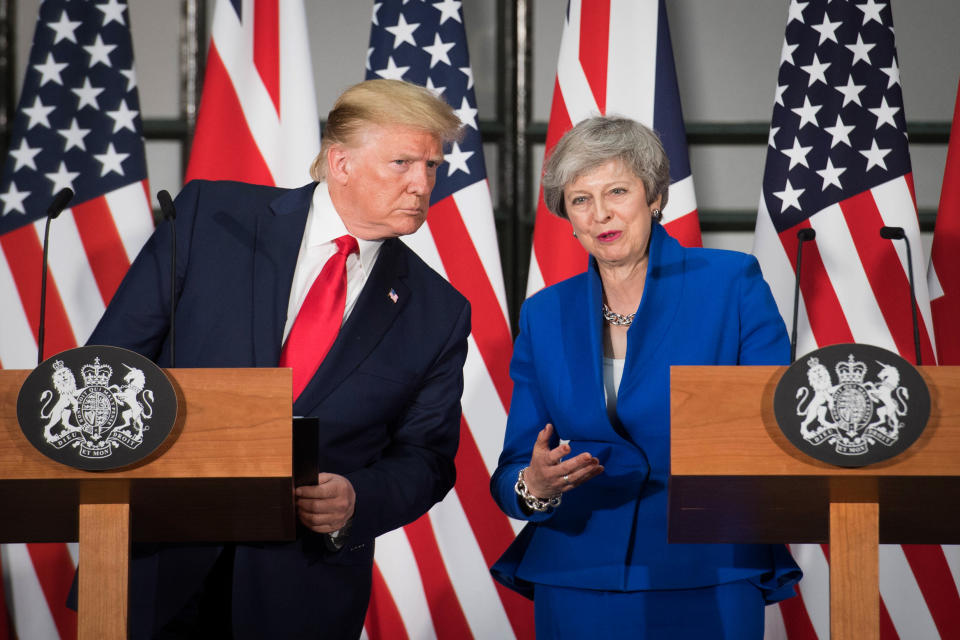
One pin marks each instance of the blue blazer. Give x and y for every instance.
(387, 394)
(699, 307)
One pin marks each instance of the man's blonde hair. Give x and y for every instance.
(384, 102)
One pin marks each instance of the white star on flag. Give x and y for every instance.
(893, 72)
(831, 175)
(468, 71)
(87, 95)
(816, 71)
(38, 114)
(875, 156)
(111, 160)
(74, 136)
(50, 70)
(457, 160)
(64, 28)
(885, 113)
(850, 91)
(13, 199)
(797, 155)
(62, 178)
(123, 117)
(131, 77)
(789, 196)
(467, 114)
(24, 156)
(807, 113)
(438, 50)
(112, 11)
(871, 11)
(796, 11)
(861, 50)
(449, 10)
(840, 132)
(403, 32)
(827, 30)
(99, 52)
(392, 71)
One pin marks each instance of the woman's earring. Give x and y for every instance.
(657, 215)
(574, 234)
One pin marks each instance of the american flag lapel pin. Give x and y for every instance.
(393, 296)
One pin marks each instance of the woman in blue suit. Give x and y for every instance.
(586, 452)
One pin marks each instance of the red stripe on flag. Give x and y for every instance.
(383, 618)
(465, 271)
(223, 147)
(945, 253)
(887, 630)
(686, 230)
(445, 610)
(594, 29)
(889, 282)
(796, 620)
(54, 568)
(932, 572)
(266, 46)
(824, 312)
(25, 256)
(490, 528)
(102, 244)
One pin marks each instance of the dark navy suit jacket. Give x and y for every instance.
(699, 307)
(387, 394)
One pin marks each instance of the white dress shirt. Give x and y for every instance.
(323, 227)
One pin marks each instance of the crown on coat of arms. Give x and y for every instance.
(96, 374)
(851, 372)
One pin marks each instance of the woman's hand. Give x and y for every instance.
(550, 475)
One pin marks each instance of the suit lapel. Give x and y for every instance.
(662, 293)
(279, 234)
(584, 353)
(372, 315)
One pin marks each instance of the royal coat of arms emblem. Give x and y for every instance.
(874, 406)
(111, 410)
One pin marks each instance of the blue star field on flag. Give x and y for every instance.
(425, 43)
(78, 122)
(838, 125)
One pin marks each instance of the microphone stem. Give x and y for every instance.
(43, 293)
(913, 303)
(173, 293)
(796, 302)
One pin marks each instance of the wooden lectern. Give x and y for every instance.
(225, 473)
(736, 478)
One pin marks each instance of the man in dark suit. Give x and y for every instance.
(384, 379)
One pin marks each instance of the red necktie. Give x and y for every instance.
(319, 319)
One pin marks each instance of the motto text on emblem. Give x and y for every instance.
(87, 417)
(97, 408)
(852, 404)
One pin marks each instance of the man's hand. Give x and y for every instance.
(327, 506)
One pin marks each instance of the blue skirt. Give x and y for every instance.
(731, 611)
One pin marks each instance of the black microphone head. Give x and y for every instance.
(59, 203)
(166, 205)
(806, 234)
(892, 233)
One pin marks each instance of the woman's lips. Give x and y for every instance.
(609, 236)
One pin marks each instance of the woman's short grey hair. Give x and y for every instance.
(596, 141)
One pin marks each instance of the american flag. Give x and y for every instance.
(615, 59)
(77, 126)
(838, 163)
(431, 578)
(258, 112)
(943, 274)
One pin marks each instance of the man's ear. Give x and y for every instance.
(338, 164)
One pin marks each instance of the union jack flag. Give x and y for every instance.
(616, 58)
(838, 162)
(78, 126)
(431, 578)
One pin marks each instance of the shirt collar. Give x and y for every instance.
(325, 226)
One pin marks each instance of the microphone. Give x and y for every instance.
(56, 207)
(802, 236)
(170, 213)
(897, 233)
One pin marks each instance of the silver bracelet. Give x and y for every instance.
(533, 502)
